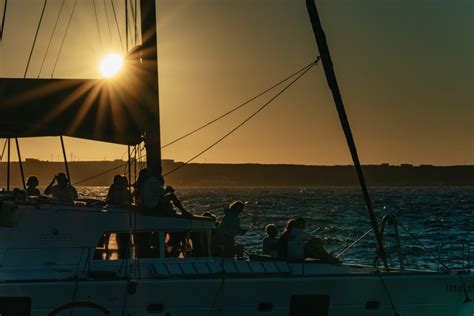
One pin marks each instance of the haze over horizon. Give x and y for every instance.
(405, 69)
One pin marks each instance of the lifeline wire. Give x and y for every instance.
(36, 36)
(466, 294)
(51, 38)
(243, 122)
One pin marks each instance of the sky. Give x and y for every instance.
(405, 70)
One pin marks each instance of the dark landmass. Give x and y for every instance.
(250, 174)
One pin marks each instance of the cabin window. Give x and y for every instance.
(186, 244)
(116, 245)
(309, 305)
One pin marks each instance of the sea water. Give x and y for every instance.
(435, 224)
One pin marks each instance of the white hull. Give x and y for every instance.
(413, 294)
(48, 259)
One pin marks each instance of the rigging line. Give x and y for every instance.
(64, 37)
(107, 19)
(126, 25)
(116, 24)
(97, 25)
(240, 105)
(135, 17)
(243, 122)
(36, 36)
(132, 9)
(3, 19)
(51, 38)
(102, 173)
(3, 150)
(396, 313)
(305, 69)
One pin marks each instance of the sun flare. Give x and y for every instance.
(110, 65)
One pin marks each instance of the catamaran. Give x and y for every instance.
(57, 258)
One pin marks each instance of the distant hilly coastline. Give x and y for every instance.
(197, 174)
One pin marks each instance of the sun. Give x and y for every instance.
(110, 65)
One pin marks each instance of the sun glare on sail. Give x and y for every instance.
(110, 65)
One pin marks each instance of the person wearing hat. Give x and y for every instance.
(63, 190)
(229, 228)
(31, 186)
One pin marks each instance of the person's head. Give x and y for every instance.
(271, 230)
(300, 223)
(290, 225)
(143, 174)
(210, 215)
(61, 178)
(237, 207)
(32, 181)
(124, 181)
(117, 179)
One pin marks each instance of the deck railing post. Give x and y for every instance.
(65, 159)
(8, 165)
(22, 174)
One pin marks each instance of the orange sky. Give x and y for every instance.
(405, 71)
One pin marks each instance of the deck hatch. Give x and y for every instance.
(15, 306)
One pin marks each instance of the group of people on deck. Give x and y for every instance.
(59, 188)
(294, 243)
(149, 192)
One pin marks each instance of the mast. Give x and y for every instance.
(150, 99)
(336, 93)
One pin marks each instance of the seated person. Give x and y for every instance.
(118, 193)
(228, 229)
(31, 186)
(62, 191)
(302, 244)
(283, 240)
(270, 243)
(150, 194)
(19, 195)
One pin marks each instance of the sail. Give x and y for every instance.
(96, 109)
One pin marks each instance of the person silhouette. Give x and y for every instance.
(118, 193)
(62, 191)
(31, 186)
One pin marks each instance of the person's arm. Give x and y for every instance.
(74, 193)
(306, 236)
(49, 187)
(109, 198)
(178, 204)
